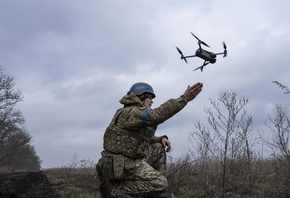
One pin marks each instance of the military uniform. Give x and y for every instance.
(136, 154)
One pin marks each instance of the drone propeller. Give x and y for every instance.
(225, 53)
(199, 41)
(180, 52)
(225, 49)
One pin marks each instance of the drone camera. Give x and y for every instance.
(213, 60)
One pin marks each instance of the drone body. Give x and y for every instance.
(208, 57)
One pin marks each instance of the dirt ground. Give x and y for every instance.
(26, 185)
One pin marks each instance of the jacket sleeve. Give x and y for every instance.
(165, 111)
(156, 139)
(137, 117)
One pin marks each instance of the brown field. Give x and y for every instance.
(185, 179)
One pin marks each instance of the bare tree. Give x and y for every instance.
(230, 133)
(14, 139)
(278, 124)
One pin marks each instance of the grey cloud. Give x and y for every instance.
(74, 60)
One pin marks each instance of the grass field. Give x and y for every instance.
(74, 182)
(185, 179)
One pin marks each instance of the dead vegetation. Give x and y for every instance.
(187, 178)
(77, 180)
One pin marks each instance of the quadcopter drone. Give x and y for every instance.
(208, 57)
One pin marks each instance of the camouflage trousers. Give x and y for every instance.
(148, 178)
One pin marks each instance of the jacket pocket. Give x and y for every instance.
(118, 166)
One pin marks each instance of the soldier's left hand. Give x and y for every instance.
(166, 144)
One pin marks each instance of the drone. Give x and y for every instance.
(208, 57)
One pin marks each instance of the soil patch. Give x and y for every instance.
(26, 185)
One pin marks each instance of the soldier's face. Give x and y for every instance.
(148, 102)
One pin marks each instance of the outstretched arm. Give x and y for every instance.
(142, 116)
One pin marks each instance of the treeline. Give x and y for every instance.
(16, 151)
(226, 158)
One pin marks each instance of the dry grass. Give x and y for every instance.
(10, 169)
(80, 184)
(189, 178)
(78, 180)
(186, 179)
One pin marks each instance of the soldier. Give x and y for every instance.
(134, 159)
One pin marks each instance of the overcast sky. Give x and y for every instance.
(73, 60)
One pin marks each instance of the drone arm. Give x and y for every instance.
(223, 53)
(197, 68)
(201, 67)
(219, 53)
(199, 45)
(189, 56)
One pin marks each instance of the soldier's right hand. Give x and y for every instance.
(192, 91)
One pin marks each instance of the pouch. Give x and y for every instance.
(118, 166)
(130, 166)
(105, 169)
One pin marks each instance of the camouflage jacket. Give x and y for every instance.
(133, 127)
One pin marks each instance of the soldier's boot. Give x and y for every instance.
(163, 195)
(105, 191)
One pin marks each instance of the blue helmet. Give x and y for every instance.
(141, 88)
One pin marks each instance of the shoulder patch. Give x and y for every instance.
(142, 108)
